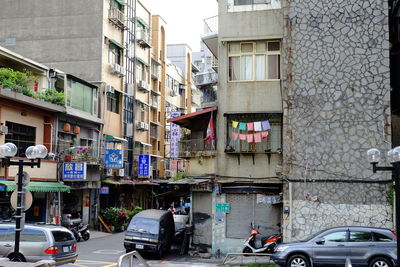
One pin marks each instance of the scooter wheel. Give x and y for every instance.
(86, 237)
(247, 250)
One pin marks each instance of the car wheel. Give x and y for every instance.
(380, 262)
(298, 261)
(17, 257)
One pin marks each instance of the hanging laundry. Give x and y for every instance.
(257, 126)
(242, 137)
(235, 135)
(266, 126)
(250, 126)
(242, 126)
(257, 137)
(250, 138)
(235, 124)
(264, 135)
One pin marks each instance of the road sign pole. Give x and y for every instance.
(19, 208)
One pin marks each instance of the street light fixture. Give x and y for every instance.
(7, 151)
(393, 155)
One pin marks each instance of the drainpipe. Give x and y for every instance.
(290, 211)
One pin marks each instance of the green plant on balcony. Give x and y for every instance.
(53, 96)
(179, 176)
(16, 80)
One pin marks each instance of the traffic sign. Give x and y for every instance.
(27, 199)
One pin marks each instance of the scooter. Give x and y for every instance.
(84, 231)
(268, 243)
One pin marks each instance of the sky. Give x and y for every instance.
(184, 18)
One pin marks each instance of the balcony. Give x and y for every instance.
(154, 101)
(153, 131)
(155, 70)
(143, 38)
(117, 18)
(192, 148)
(210, 36)
(206, 78)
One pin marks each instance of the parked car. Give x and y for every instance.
(364, 246)
(39, 242)
(71, 219)
(150, 231)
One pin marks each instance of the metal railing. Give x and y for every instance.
(190, 147)
(211, 24)
(130, 257)
(116, 16)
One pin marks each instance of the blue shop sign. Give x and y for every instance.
(144, 165)
(104, 190)
(113, 159)
(74, 171)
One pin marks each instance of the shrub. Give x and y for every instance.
(116, 217)
(52, 96)
(16, 80)
(133, 212)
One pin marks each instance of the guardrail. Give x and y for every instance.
(234, 256)
(130, 257)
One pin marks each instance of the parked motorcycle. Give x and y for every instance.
(268, 243)
(80, 231)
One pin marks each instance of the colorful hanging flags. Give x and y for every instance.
(235, 124)
(242, 137)
(257, 137)
(257, 126)
(250, 138)
(264, 135)
(242, 126)
(250, 126)
(235, 135)
(210, 131)
(266, 126)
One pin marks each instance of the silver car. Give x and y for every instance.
(39, 242)
(364, 246)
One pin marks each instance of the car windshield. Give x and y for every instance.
(144, 225)
(61, 236)
(312, 236)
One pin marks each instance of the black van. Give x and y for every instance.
(150, 231)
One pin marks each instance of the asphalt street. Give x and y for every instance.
(105, 252)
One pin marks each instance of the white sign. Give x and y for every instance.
(27, 199)
(175, 136)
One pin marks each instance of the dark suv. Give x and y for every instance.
(364, 246)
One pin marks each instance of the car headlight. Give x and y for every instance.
(281, 248)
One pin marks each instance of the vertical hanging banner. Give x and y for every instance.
(112, 155)
(144, 166)
(175, 136)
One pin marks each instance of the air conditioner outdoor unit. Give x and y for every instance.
(173, 93)
(113, 68)
(3, 129)
(142, 85)
(140, 125)
(145, 126)
(109, 89)
(109, 172)
(121, 172)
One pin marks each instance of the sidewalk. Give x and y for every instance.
(97, 234)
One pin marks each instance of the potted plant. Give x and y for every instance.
(68, 155)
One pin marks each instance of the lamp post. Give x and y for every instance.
(7, 151)
(393, 155)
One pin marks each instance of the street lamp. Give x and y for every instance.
(7, 151)
(393, 155)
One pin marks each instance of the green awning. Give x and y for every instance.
(121, 2)
(109, 181)
(142, 61)
(117, 44)
(39, 186)
(143, 22)
(111, 137)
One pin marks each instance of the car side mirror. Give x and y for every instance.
(320, 241)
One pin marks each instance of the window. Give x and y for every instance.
(141, 112)
(115, 54)
(128, 109)
(82, 97)
(359, 236)
(270, 133)
(382, 238)
(62, 236)
(113, 102)
(21, 135)
(115, 4)
(140, 72)
(335, 237)
(254, 61)
(31, 235)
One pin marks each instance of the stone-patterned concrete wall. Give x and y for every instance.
(336, 95)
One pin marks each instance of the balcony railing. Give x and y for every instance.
(206, 78)
(211, 24)
(117, 17)
(189, 148)
(143, 38)
(155, 71)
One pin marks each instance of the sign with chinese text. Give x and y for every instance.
(104, 190)
(175, 136)
(144, 166)
(112, 156)
(74, 171)
(222, 207)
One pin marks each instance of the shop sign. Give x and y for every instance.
(204, 187)
(175, 136)
(144, 166)
(112, 158)
(74, 171)
(222, 207)
(104, 190)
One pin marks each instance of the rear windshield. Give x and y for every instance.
(144, 225)
(62, 236)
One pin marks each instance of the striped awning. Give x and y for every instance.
(38, 186)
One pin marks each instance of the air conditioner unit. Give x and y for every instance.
(121, 172)
(140, 125)
(142, 85)
(109, 172)
(145, 126)
(109, 89)
(113, 68)
(3, 129)
(173, 93)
